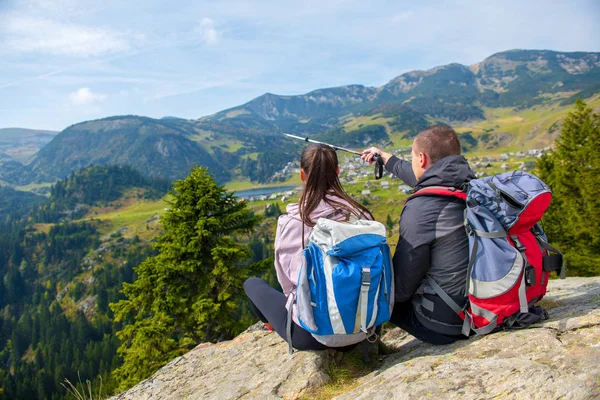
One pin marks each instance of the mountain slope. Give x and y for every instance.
(157, 148)
(289, 113)
(72, 197)
(18, 144)
(525, 78)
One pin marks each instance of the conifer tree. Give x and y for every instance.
(390, 224)
(572, 171)
(189, 292)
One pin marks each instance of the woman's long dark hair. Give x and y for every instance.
(320, 163)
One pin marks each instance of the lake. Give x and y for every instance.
(244, 194)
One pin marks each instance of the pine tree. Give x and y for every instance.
(189, 292)
(572, 171)
(390, 224)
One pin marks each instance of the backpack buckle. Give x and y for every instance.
(468, 228)
(519, 246)
(530, 278)
(467, 324)
(372, 335)
(366, 276)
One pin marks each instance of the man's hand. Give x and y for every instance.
(368, 154)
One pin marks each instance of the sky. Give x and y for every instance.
(68, 61)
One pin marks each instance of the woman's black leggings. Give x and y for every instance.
(269, 305)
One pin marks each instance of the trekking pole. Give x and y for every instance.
(376, 157)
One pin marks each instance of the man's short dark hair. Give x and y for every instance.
(437, 142)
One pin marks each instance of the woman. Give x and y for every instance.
(322, 197)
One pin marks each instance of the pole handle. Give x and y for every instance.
(378, 166)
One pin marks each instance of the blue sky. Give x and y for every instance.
(66, 61)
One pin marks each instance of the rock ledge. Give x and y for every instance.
(558, 359)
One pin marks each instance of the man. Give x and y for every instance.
(432, 240)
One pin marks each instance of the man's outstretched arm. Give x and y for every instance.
(401, 169)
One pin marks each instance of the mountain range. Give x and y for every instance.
(452, 92)
(246, 141)
(18, 144)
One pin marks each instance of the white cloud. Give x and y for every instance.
(207, 31)
(84, 97)
(26, 34)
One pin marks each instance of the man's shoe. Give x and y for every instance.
(268, 327)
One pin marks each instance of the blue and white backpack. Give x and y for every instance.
(346, 286)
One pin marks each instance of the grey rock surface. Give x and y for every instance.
(254, 365)
(558, 359)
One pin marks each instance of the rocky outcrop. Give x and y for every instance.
(254, 365)
(558, 359)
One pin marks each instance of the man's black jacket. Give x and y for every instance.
(432, 241)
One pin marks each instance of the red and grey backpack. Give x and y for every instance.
(510, 259)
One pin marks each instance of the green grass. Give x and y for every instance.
(240, 184)
(235, 113)
(234, 146)
(344, 376)
(207, 140)
(527, 128)
(399, 140)
(33, 186)
(45, 228)
(80, 392)
(354, 123)
(132, 216)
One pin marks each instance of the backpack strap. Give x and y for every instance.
(448, 191)
(466, 329)
(463, 314)
(349, 216)
(364, 297)
(333, 214)
(447, 299)
(524, 306)
(490, 316)
(551, 262)
(363, 300)
(288, 328)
